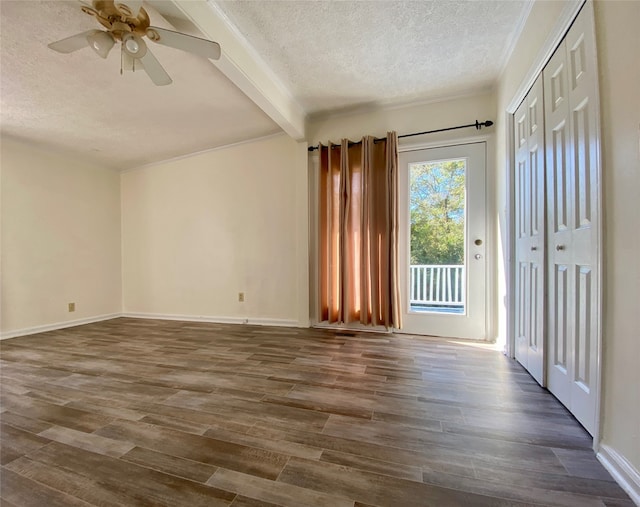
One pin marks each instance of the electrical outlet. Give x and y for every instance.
(241, 297)
(72, 307)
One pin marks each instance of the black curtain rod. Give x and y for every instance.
(478, 125)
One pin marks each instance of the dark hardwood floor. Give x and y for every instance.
(140, 412)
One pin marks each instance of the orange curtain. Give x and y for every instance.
(359, 232)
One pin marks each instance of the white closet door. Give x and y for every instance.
(585, 254)
(557, 136)
(530, 232)
(570, 91)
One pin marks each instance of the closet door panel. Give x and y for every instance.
(537, 240)
(573, 204)
(521, 231)
(560, 197)
(583, 93)
(561, 277)
(530, 232)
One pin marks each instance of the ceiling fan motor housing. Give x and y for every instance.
(118, 18)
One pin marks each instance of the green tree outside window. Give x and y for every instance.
(437, 212)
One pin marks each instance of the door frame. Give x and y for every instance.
(554, 39)
(490, 233)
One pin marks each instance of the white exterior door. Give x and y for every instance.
(438, 298)
(530, 232)
(571, 138)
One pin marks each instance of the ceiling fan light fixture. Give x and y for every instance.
(134, 46)
(101, 43)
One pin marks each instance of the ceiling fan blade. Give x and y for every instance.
(73, 43)
(156, 72)
(189, 43)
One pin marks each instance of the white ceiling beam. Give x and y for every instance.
(244, 67)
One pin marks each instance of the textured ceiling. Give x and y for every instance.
(329, 55)
(80, 103)
(340, 54)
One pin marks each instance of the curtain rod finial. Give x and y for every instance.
(479, 125)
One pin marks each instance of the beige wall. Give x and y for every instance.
(60, 238)
(618, 53)
(199, 230)
(618, 42)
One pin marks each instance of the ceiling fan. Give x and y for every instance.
(127, 23)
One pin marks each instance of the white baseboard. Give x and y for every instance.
(215, 319)
(58, 325)
(621, 470)
(160, 316)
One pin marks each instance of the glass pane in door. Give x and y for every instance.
(437, 237)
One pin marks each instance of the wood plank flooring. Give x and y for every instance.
(141, 412)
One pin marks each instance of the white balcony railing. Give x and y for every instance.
(442, 286)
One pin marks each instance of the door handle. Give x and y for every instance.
(559, 247)
(534, 248)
